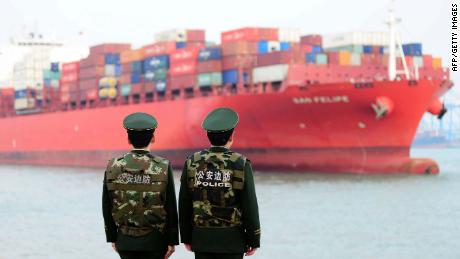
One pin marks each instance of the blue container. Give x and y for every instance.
(316, 49)
(367, 49)
(381, 50)
(210, 54)
(181, 45)
(54, 67)
(47, 82)
(117, 70)
(136, 67)
(156, 62)
(136, 78)
(230, 76)
(112, 59)
(262, 47)
(412, 49)
(18, 94)
(310, 58)
(285, 46)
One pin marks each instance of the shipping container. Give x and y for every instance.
(129, 56)
(159, 74)
(70, 67)
(312, 39)
(69, 77)
(112, 58)
(316, 49)
(250, 34)
(355, 59)
(181, 45)
(92, 61)
(160, 48)
(160, 85)
(157, 62)
(280, 57)
(236, 61)
(183, 81)
(412, 49)
(91, 72)
(321, 59)
(275, 73)
(239, 48)
(428, 61)
(344, 58)
(183, 68)
(125, 90)
(210, 54)
(230, 77)
(185, 54)
(108, 48)
(285, 46)
(136, 78)
(418, 61)
(180, 35)
(437, 63)
(210, 66)
(86, 84)
(310, 58)
(210, 79)
(54, 67)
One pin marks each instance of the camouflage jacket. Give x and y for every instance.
(218, 210)
(137, 184)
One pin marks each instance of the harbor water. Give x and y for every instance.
(55, 213)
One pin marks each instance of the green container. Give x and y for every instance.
(359, 49)
(47, 74)
(321, 58)
(125, 90)
(209, 79)
(161, 74)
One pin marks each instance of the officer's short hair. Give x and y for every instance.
(219, 138)
(140, 138)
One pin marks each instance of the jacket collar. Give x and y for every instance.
(218, 149)
(140, 151)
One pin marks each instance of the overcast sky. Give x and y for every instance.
(135, 21)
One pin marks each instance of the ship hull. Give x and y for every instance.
(323, 128)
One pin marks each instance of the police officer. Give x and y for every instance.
(218, 211)
(138, 200)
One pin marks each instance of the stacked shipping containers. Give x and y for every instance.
(69, 84)
(7, 102)
(209, 67)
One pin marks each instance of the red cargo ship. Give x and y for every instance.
(332, 117)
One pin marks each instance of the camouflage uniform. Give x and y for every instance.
(218, 211)
(139, 204)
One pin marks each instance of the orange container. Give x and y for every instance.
(344, 58)
(239, 48)
(129, 56)
(160, 48)
(437, 63)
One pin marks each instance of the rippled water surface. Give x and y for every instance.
(56, 213)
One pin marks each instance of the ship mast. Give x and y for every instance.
(395, 42)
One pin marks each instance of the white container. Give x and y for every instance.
(20, 104)
(289, 35)
(55, 83)
(355, 38)
(273, 73)
(178, 35)
(274, 46)
(109, 70)
(418, 61)
(355, 59)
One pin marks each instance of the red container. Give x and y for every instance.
(183, 81)
(311, 39)
(196, 44)
(243, 61)
(137, 88)
(185, 54)
(279, 57)
(376, 49)
(9, 91)
(148, 87)
(69, 77)
(239, 48)
(210, 66)
(125, 79)
(160, 48)
(250, 34)
(126, 68)
(196, 35)
(69, 87)
(427, 61)
(108, 48)
(183, 68)
(89, 84)
(333, 58)
(70, 67)
(91, 61)
(306, 49)
(91, 72)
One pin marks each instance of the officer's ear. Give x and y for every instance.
(153, 139)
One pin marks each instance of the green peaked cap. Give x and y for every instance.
(140, 121)
(220, 119)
